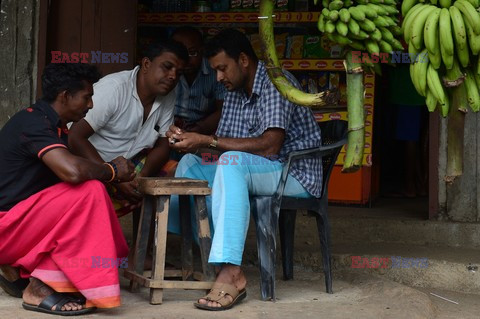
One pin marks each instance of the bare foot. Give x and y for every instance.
(229, 274)
(36, 291)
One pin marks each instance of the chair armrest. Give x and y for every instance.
(303, 154)
(317, 151)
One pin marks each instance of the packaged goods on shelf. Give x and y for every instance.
(336, 51)
(294, 47)
(281, 44)
(308, 81)
(303, 80)
(323, 80)
(334, 80)
(247, 5)
(301, 5)
(313, 49)
(172, 6)
(342, 88)
(285, 5)
(220, 5)
(312, 82)
(235, 5)
(201, 6)
(256, 44)
(244, 5)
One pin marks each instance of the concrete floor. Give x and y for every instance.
(355, 296)
(398, 230)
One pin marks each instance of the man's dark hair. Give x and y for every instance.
(188, 30)
(233, 42)
(58, 77)
(158, 48)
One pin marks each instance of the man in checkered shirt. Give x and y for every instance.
(257, 130)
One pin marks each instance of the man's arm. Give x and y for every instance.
(81, 146)
(267, 144)
(156, 158)
(78, 141)
(74, 169)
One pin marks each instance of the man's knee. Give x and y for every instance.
(185, 163)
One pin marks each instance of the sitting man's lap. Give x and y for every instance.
(233, 177)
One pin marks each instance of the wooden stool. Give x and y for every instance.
(157, 191)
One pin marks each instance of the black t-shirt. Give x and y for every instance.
(26, 137)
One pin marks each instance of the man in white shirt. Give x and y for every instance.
(132, 112)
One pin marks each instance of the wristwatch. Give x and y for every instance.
(214, 142)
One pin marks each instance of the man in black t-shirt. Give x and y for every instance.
(53, 209)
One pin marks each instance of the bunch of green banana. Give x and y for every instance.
(363, 25)
(371, 27)
(446, 31)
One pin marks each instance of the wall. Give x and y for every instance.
(460, 201)
(84, 26)
(18, 64)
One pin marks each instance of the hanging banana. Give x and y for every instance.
(273, 66)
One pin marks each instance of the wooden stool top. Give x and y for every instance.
(173, 186)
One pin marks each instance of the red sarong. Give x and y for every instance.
(69, 237)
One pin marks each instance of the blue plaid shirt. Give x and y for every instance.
(244, 116)
(198, 101)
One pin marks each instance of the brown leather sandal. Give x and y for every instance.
(218, 294)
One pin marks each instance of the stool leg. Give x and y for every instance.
(186, 222)
(204, 237)
(135, 224)
(138, 262)
(160, 244)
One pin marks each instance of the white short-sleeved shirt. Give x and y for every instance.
(117, 117)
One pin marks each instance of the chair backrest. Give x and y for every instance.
(332, 132)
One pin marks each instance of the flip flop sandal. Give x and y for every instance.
(57, 301)
(78, 298)
(14, 288)
(218, 294)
